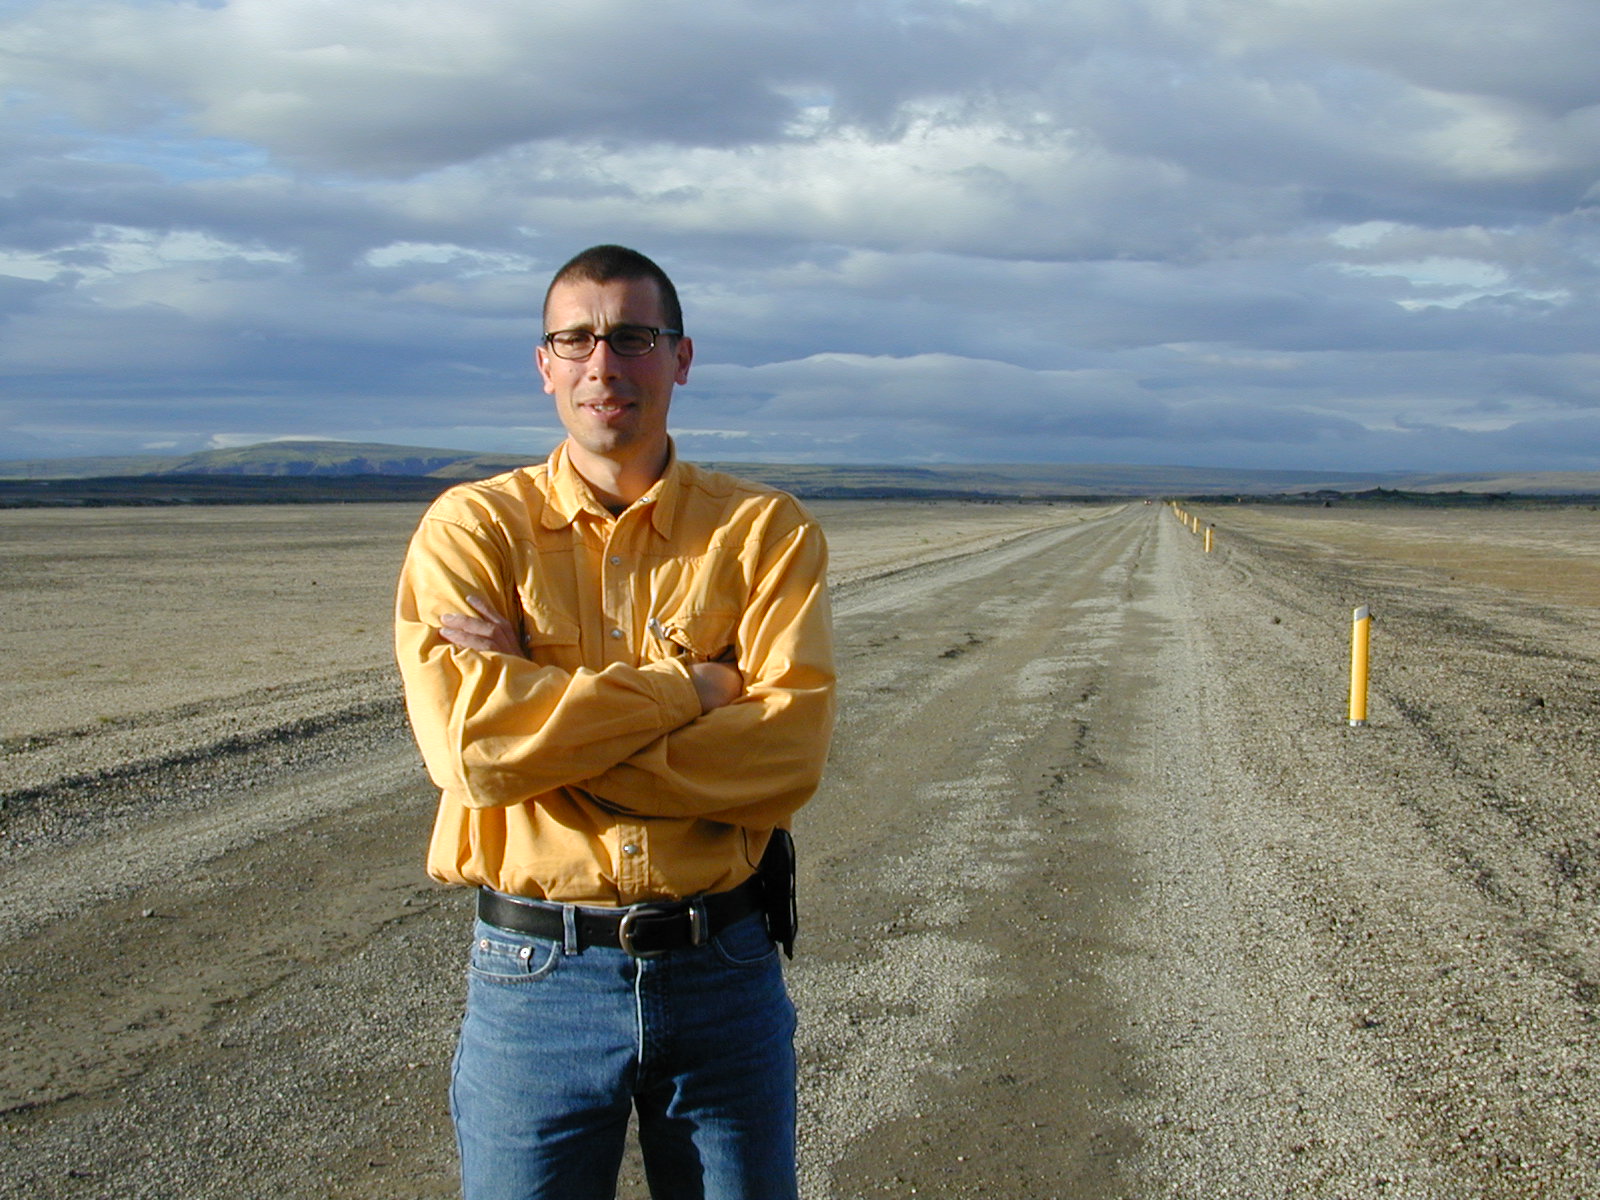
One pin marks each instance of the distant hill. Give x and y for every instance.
(1036, 480)
(298, 459)
(332, 470)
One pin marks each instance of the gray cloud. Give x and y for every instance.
(1232, 231)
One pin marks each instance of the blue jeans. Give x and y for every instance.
(557, 1048)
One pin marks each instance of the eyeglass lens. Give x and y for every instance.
(631, 341)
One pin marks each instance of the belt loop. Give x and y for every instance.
(569, 929)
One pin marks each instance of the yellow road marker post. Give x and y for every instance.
(1360, 643)
(1210, 529)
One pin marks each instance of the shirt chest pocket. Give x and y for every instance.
(550, 638)
(696, 636)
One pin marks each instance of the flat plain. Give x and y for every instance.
(1102, 896)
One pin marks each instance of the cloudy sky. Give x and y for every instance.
(1251, 233)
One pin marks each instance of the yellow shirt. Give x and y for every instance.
(585, 772)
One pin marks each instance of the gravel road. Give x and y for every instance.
(1102, 897)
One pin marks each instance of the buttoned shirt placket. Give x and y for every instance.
(620, 561)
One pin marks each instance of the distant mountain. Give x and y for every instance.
(313, 461)
(307, 458)
(298, 458)
(1040, 480)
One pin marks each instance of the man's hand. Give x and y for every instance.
(717, 683)
(488, 631)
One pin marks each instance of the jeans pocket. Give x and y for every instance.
(745, 943)
(501, 957)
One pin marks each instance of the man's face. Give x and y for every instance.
(614, 408)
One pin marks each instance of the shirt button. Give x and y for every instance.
(630, 849)
(616, 633)
(616, 560)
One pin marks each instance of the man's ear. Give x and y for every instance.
(541, 360)
(685, 352)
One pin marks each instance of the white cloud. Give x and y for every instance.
(1021, 229)
(1537, 53)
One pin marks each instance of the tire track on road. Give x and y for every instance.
(940, 841)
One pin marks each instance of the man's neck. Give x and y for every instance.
(617, 483)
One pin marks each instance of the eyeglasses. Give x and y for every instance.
(630, 341)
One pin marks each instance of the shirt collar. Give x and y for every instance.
(569, 496)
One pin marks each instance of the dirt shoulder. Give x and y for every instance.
(1411, 904)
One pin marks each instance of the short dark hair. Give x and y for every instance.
(603, 264)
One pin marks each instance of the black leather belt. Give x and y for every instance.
(642, 930)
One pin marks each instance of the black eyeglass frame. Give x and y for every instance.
(596, 338)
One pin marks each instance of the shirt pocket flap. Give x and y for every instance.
(705, 636)
(543, 627)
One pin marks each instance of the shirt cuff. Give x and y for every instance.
(673, 688)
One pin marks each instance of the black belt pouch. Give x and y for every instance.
(778, 890)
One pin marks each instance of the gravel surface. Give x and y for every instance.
(1102, 898)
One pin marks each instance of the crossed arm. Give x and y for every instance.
(743, 743)
(716, 683)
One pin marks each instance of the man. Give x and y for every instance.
(619, 670)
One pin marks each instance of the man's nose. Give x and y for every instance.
(604, 362)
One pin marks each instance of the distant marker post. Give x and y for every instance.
(1360, 642)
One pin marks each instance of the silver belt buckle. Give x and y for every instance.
(696, 913)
